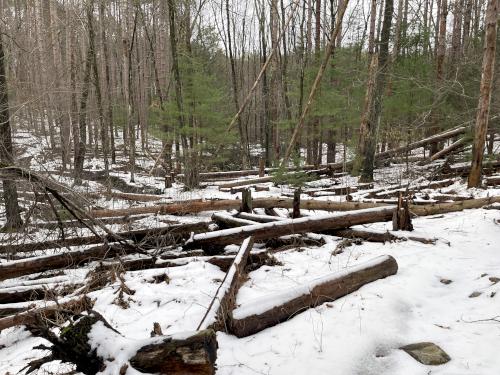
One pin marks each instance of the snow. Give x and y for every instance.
(361, 333)
(260, 305)
(358, 334)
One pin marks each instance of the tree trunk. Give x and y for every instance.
(481, 128)
(82, 117)
(6, 150)
(255, 315)
(366, 150)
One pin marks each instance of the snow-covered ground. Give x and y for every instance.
(447, 293)
(357, 334)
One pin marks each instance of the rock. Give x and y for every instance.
(494, 280)
(427, 353)
(446, 281)
(475, 294)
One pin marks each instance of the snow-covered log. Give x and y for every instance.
(290, 226)
(95, 347)
(224, 220)
(258, 218)
(255, 315)
(223, 302)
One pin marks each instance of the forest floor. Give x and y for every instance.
(447, 293)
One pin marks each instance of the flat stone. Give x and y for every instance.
(475, 294)
(427, 353)
(446, 281)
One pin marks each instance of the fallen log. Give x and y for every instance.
(451, 148)
(186, 353)
(73, 305)
(225, 221)
(196, 206)
(289, 226)
(441, 208)
(377, 236)
(219, 310)
(403, 149)
(127, 219)
(175, 233)
(20, 268)
(337, 190)
(183, 354)
(492, 181)
(258, 218)
(412, 189)
(258, 180)
(254, 316)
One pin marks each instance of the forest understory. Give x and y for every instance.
(143, 261)
(249, 187)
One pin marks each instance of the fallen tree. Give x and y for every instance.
(186, 353)
(230, 204)
(174, 232)
(71, 305)
(254, 316)
(442, 208)
(20, 268)
(377, 236)
(404, 149)
(223, 303)
(289, 226)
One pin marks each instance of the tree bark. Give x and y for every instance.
(366, 151)
(219, 312)
(6, 150)
(254, 316)
(483, 110)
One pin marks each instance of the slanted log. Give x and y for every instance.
(289, 226)
(455, 146)
(254, 316)
(223, 303)
(403, 149)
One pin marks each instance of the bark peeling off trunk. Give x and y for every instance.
(192, 355)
